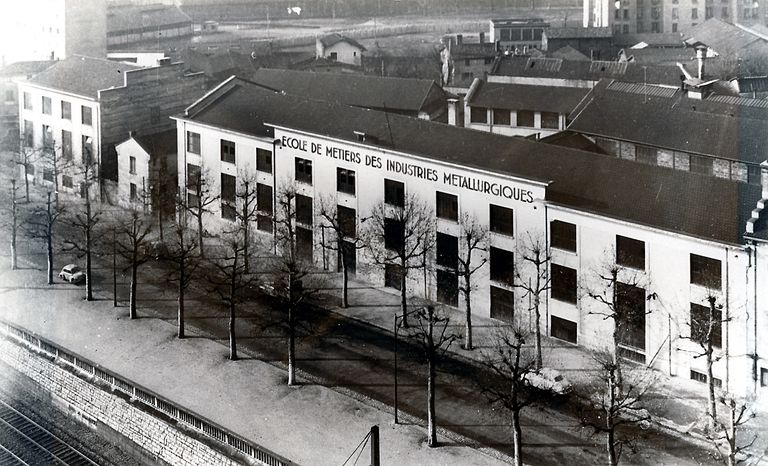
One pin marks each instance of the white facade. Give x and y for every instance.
(515, 127)
(133, 183)
(342, 52)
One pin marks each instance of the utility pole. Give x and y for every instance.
(375, 457)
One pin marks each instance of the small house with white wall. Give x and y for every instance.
(147, 167)
(339, 48)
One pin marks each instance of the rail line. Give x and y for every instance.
(37, 439)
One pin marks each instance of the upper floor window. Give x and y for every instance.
(66, 144)
(706, 271)
(705, 327)
(694, 13)
(303, 170)
(227, 151)
(47, 105)
(264, 160)
(86, 116)
(447, 249)
(502, 266)
(193, 176)
(447, 206)
(132, 165)
(264, 198)
(630, 252)
(394, 193)
(562, 235)
(564, 284)
(347, 219)
(228, 188)
(394, 234)
(193, 142)
(526, 118)
(66, 110)
(27, 101)
(502, 220)
(478, 115)
(345, 181)
(304, 209)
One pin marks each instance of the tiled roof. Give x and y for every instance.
(401, 94)
(568, 53)
(335, 38)
(724, 38)
(588, 71)
(526, 97)
(83, 76)
(578, 33)
(124, 18)
(722, 126)
(161, 143)
(25, 68)
(671, 200)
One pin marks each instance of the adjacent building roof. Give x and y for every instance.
(568, 53)
(724, 38)
(83, 76)
(651, 39)
(672, 200)
(126, 19)
(24, 68)
(721, 126)
(579, 33)
(519, 22)
(556, 68)
(526, 97)
(162, 143)
(335, 38)
(391, 94)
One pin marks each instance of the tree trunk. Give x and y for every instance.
(517, 438)
(403, 298)
(431, 427)
(291, 348)
(712, 424)
(468, 309)
(732, 448)
(539, 363)
(200, 233)
(610, 428)
(14, 226)
(344, 280)
(50, 256)
(232, 336)
(160, 223)
(132, 300)
(26, 182)
(182, 279)
(610, 438)
(88, 274)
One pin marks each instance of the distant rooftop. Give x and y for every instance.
(25, 68)
(521, 96)
(578, 33)
(83, 76)
(335, 38)
(162, 143)
(725, 38)
(133, 18)
(519, 22)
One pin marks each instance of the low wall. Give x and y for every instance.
(160, 427)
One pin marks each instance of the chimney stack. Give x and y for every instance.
(453, 112)
(700, 55)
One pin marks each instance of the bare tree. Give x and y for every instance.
(41, 224)
(534, 252)
(246, 214)
(25, 158)
(132, 242)
(510, 360)
(473, 238)
(231, 282)
(345, 241)
(432, 332)
(14, 222)
(616, 404)
(738, 414)
(183, 254)
(400, 238)
(198, 202)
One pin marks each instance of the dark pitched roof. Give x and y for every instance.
(568, 53)
(722, 126)
(473, 50)
(653, 39)
(588, 71)
(335, 38)
(401, 94)
(162, 143)
(574, 141)
(672, 200)
(578, 33)
(125, 18)
(25, 68)
(522, 97)
(83, 76)
(724, 38)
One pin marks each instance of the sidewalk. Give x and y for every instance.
(309, 424)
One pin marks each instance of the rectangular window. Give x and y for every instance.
(550, 120)
(394, 234)
(447, 287)
(132, 165)
(193, 176)
(304, 244)
(562, 235)
(48, 174)
(264, 199)
(702, 377)
(564, 329)
(392, 276)
(709, 12)
(66, 144)
(87, 149)
(134, 193)
(525, 118)
(646, 154)
(705, 272)
(447, 206)
(303, 170)
(725, 12)
(193, 200)
(27, 101)
(447, 247)
(228, 183)
(345, 181)
(264, 223)
(502, 220)
(264, 160)
(694, 13)
(502, 304)
(502, 266)
(675, 14)
(528, 34)
(394, 193)
(478, 115)
(29, 133)
(347, 219)
(626, 13)
(674, 27)
(86, 116)
(630, 310)
(66, 110)
(304, 212)
(763, 377)
(193, 142)
(505, 35)
(701, 164)
(501, 116)
(48, 142)
(563, 284)
(700, 323)
(47, 105)
(228, 212)
(630, 252)
(66, 181)
(227, 151)
(625, 29)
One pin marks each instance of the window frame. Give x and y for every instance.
(557, 235)
(625, 247)
(304, 209)
(263, 160)
(562, 275)
(504, 226)
(228, 151)
(303, 170)
(193, 142)
(346, 181)
(394, 193)
(701, 276)
(475, 115)
(501, 265)
(66, 110)
(446, 206)
(86, 110)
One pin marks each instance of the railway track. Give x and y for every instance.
(33, 444)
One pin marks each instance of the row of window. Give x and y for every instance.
(228, 152)
(525, 118)
(49, 142)
(86, 113)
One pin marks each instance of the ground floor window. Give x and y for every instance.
(228, 212)
(763, 377)
(563, 329)
(392, 276)
(502, 304)
(447, 287)
(264, 223)
(702, 377)
(304, 244)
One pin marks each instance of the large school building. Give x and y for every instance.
(675, 238)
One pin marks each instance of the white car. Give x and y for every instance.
(72, 273)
